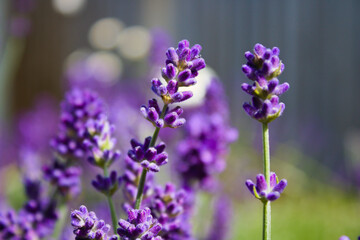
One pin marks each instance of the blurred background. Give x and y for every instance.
(47, 47)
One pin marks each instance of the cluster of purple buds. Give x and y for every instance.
(182, 66)
(99, 142)
(107, 185)
(34, 221)
(131, 180)
(88, 227)
(153, 114)
(13, 226)
(140, 225)
(65, 178)
(150, 158)
(78, 107)
(346, 238)
(168, 207)
(208, 134)
(263, 67)
(264, 192)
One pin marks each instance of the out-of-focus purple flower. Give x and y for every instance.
(150, 158)
(78, 107)
(168, 206)
(33, 131)
(182, 66)
(160, 42)
(66, 179)
(171, 118)
(208, 134)
(131, 180)
(220, 227)
(107, 185)
(35, 220)
(344, 238)
(99, 142)
(24, 6)
(88, 227)
(263, 67)
(140, 225)
(13, 226)
(262, 191)
(20, 26)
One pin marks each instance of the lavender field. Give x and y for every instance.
(179, 120)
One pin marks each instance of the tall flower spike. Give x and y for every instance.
(78, 107)
(140, 225)
(263, 67)
(88, 227)
(168, 206)
(150, 158)
(99, 142)
(182, 66)
(261, 191)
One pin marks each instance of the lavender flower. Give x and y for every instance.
(344, 238)
(107, 185)
(139, 225)
(182, 66)
(171, 117)
(65, 178)
(263, 67)
(222, 219)
(99, 142)
(261, 190)
(208, 134)
(78, 107)
(13, 226)
(34, 221)
(131, 180)
(150, 158)
(168, 207)
(88, 227)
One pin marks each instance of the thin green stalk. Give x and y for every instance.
(267, 206)
(114, 218)
(63, 214)
(141, 185)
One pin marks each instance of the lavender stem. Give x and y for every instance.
(111, 204)
(140, 191)
(267, 206)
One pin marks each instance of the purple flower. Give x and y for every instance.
(168, 207)
(131, 179)
(171, 117)
(140, 225)
(88, 227)
(107, 185)
(263, 67)
(150, 158)
(78, 107)
(99, 142)
(222, 219)
(182, 66)
(262, 191)
(344, 238)
(35, 220)
(208, 134)
(65, 178)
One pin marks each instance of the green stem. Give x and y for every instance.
(111, 203)
(141, 185)
(63, 214)
(267, 206)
